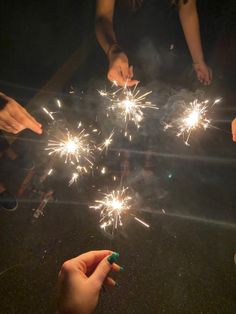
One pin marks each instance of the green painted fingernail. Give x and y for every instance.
(117, 285)
(122, 268)
(113, 257)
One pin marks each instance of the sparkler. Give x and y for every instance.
(194, 117)
(128, 105)
(113, 207)
(75, 150)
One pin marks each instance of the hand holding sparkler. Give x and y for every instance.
(81, 279)
(119, 69)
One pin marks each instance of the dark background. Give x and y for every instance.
(185, 262)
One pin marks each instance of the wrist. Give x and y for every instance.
(113, 49)
(198, 61)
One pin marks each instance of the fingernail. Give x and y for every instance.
(117, 285)
(122, 268)
(113, 257)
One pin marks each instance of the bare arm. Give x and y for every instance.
(104, 24)
(190, 23)
(119, 69)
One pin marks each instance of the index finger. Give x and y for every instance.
(28, 123)
(89, 260)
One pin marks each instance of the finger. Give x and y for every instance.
(117, 78)
(132, 83)
(117, 268)
(23, 119)
(131, 71)
(5, 127)
(200, 78)
(125, 72)
(103, 269)
(110, 282)
(207, 78)
(8, 122)
(13, 123)
(32, 118)
(89, 259)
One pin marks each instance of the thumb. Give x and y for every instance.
(131, 71)
(103, 268)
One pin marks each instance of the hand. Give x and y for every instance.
(14, 118)
(119, 69)
(81, 279)
(233, 128)
(203, 72)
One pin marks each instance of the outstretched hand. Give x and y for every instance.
(14, 118)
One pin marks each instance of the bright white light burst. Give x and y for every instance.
(113, 207)
(128, 104)
(194, 117)
(76, 150)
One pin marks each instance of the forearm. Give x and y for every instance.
(105, 33)
(190, 23)
(104, 24)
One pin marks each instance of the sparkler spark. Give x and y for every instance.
(50, 172)
(194, 117)
(107, 142)
(59, 103)
(128, 104)
(76, 150)
(113, 207)
(74, 178)
(48, 113)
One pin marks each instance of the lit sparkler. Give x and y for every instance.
(128, 104)
(76, 150)
(193, 118)
(113, 207)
